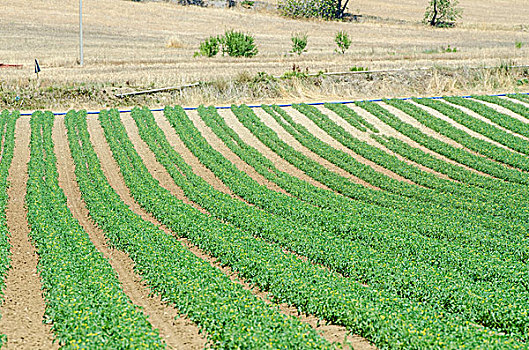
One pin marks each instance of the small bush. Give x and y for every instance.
(299, 43)
(209, 47)
(343, 41)
(238, 44)
(518, 44)
(326, 9)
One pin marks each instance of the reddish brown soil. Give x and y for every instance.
(23, 307)
(174, 332)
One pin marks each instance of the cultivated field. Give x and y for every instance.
(126, 49)
(395, 224)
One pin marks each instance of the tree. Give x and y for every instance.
(442, 13)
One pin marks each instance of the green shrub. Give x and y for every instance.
(343, 41)
(238, 44)
(327, 9)
(299, 43)
(518, 44)
(209, 47)
(442, 13)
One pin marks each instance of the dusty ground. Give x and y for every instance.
(125, 49)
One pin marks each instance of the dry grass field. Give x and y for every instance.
(127, 46)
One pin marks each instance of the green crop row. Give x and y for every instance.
(351, 117)
(437, 209)
(445, 190)
(390, 322)
(486, 148)
(501, 119)
(517, 108)
(7, 145)
(520, 97)
(370, 266)
(84, 299)
(236, 319)
(231, 315)
(457, 154)
(350, 213)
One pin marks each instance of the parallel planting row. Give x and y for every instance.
(438, 260)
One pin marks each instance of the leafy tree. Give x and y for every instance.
(442, 13)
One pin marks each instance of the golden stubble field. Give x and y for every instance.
(126, 42)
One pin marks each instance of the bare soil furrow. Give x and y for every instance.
(331, 332)
(23, 307)
(322, 135)
(176, 334)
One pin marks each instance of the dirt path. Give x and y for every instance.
(23, 308)
(177, 331)
(332, 333)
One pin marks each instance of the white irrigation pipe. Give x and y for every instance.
(290, 104)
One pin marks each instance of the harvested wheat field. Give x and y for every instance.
(132, 46)
(390, 223)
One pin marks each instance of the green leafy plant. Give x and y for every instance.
(209, 47)
(518, 44)
(358, 69)
(299, 43)
(326, 9)
(343, 41)
(247, 3)
(442, 13)
(238, 44)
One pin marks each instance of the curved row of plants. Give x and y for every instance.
(345, 256)
(506, 121)
(354, 119)
(520, 97)
(388, 321)
(446, 209)
(231, 315)
(84, 299)
(7, 145)
(483, 200)
(459, 155)
(348, 214)
(506, 156)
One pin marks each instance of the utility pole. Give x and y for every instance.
(81, 59)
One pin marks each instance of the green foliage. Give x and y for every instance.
(442, 13)
(231, 315)
(235, 44)
(358, 69)
(247, 3)
(326, 9)
(238, 44)
(7, 134)
(299, 43)
(343, 41)
(84, 298)
(518, 44)
(209, 47)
